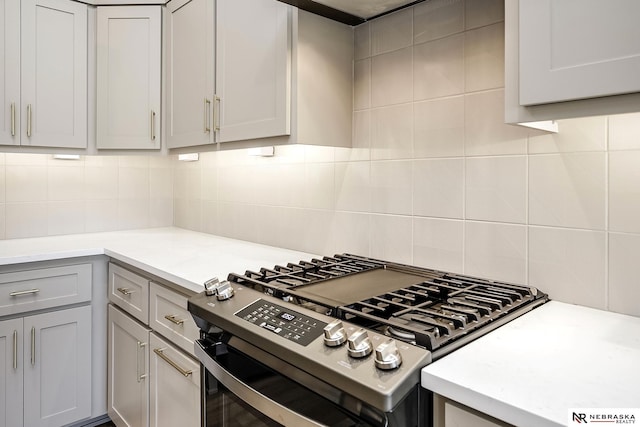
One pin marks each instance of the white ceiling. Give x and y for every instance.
(365, 8)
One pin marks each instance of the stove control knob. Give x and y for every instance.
(387, 356)
(334, 334)
(222, 290)
(359, 344)
(225, 291)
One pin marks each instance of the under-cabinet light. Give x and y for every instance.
(547, 125)
(262, 151)
(66, 156)
(191, 157)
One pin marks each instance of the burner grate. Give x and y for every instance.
(427, 307)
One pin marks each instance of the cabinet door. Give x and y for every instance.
(253, 78)
(10, 72)
(128, 77)
(54, 73)
(575, 49)
(11, 368)
(175, 386)
(190, 72)
(128, 362)
(57, 372)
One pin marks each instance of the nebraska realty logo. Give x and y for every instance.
(581, 416)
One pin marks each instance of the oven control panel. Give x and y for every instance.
(287, 323)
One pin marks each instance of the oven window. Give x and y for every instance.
(223, 408)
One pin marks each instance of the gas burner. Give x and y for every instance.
(400, 334)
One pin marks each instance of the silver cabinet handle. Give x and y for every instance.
(33, 346)
(216, 113)
(29, 292)
(207, 111)
(172, 318)
(161, 355)
(15, 350)
(125, 291)
(153, 125)
(29, 120)
(13, 119)
(142, 376)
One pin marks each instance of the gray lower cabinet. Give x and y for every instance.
(46, 366)
(448, 413)
(153, 380)
(45, 358)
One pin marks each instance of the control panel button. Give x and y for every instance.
(359, 344)
(334, 334)
(387, 356)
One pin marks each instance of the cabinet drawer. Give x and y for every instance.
(28, 290)
(129, 291)
(169, 316)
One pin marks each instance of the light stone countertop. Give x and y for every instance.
(530, 371)
(186, 258)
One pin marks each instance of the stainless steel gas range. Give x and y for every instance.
(338, 341)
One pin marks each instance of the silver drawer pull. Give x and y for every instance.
(125, 291)
(159, 352)
(172, 318)
(140, 376)
(19, 293)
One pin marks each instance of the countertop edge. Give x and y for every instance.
(480, 402)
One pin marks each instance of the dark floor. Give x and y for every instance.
(109, 424)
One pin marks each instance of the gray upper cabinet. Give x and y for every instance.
(190, 72)
(259, 72)
(129, 47)
(44, 73)
(568, 58)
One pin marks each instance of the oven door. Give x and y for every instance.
(239, 390)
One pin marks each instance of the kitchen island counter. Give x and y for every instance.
(185, 258)
(530, 371)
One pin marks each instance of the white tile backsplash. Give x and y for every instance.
(65, 183)
(438, 68)
(391, 238)
(486, 134)
(568, 264)
(391, 187)
(479, 13)
(392, 32)
(582, 134)
(437, 18)
(392, 132)
(624, 191)
(391, 80)
(568, 190)
(496, 188)
(438, 127)
(26, 183)
(624, 270)
(624, 132)
(496, 251)
(362, 84)
(438, 244)
(26, 220)
(362, 41)
(438, 188)
(484, 58)
(434, 176)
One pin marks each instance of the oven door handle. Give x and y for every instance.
(256, 400)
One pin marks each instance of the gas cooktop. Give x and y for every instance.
(429, 308)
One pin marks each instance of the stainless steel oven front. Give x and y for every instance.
(243, 385)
